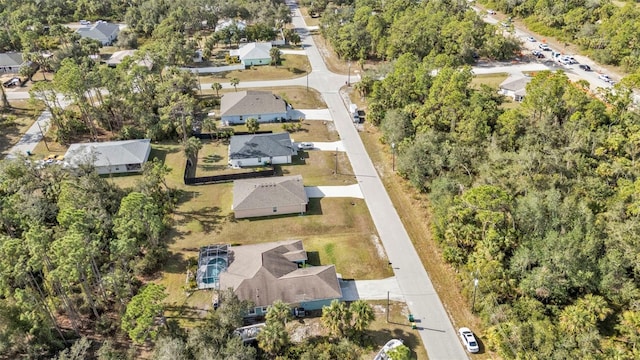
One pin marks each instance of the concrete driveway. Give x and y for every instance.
(352, 191)
(371, 289)
(310, 114)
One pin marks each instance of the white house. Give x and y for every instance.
(261, 149)
(253, 54)
(237, 107)
(118, 56)
(515, 86)
(11, 62)
(111, 157)
(104, 32)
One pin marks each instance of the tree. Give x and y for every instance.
(234, 82)
(142, 314)
(276, 56)
(252, 125)
(216, 86)
(279, 312)
(401, 352)
(273, 338)
(191, 147)
(336, 317)
(361, 316)
(78, 351)
(169, 348)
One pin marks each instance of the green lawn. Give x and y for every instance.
(292, 66)
(491, 80)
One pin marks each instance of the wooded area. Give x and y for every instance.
(538, 203)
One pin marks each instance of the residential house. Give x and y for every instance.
(253, 54)
(118, 56)
(269, 196)
(515, 86)
(225, 23)
(102, 31)
(261, 149)
(237, 107)
(11, 63)
(266, 272)
(111, 157)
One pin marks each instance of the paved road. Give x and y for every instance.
(435, 327)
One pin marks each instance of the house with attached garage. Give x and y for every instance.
(266, 272)
(103, 32)
(237, 107)
(515, 86)
(261, 149)
(113, 157)
(269, 196)
(254, 53)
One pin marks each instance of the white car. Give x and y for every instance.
(305, 145)
(604, 77)
(491, 12)
(544, 47)
(469, 340)
(531, 39)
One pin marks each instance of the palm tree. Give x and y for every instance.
(191, 147)
(275, 56)
(217, 87)
(361, 315)
(336, 318)
(273, 338)
(279, 312)
(234, 82)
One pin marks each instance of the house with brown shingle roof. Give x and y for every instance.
(269, 196)
(237, 107)
(264, 273)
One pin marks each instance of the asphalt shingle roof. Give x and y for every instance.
(253, 51)
(268, 192)
(251, 102)
(11, 59)
(261, 146)
(101, 31)
(109, 153)
(264, 273)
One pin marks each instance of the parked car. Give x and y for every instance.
(469, 340)
(12, 82)
(305, 145)
(538, 54)
(544, 47)
(491, 12)
(585, 67)
(531, 39)
(85, 22)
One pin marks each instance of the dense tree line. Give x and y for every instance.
(537, 202)
(72, 249)
(445, 31)
(609, 33)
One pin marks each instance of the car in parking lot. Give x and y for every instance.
(469, 340)
(531, 39)
(544, 47)
(585, 67)
(538, 54)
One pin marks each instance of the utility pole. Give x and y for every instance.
(475, 287)
(393, 156)
(336, 171)
(349, 75)
(387, 306)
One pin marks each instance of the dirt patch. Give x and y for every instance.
(305, 328)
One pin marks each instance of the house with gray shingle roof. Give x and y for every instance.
(110, 157)
(261, 149)
(267, 272)
(269, 196)
(237, 107)
(253, 54)
(102, 31)
(515, 86)
(11, 63)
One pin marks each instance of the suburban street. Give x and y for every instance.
(434, 326)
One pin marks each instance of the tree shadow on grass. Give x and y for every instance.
(213, 158)
(205, 220)
(175, 263)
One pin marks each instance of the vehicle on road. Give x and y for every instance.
(305, 145)
(469, 340)
(85, 22)
(531, 39)
(544, 47)
(604, 77)
(491, 12)
(585, 67)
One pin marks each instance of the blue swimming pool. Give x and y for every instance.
(214, 267)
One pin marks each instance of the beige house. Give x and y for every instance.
(237, 107)
(266, 272)
(269, 196)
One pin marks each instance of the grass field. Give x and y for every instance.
(292, 66)
(492, 80)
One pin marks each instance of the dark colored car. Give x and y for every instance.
(585, 67)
